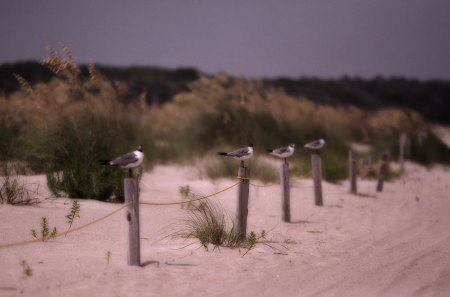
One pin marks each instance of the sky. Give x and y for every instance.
(259, 38)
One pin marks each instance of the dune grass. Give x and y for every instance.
(13, 189)
(207, 222)
(63, 127)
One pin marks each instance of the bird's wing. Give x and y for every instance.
(281, 150)
(239, 152)
(125, 159)
(313, 144)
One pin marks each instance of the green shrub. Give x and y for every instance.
(73, 152)
(431, 151)
(10, 145)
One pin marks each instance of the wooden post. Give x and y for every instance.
(352, 171)
(317, 176)
(402, 151)
(382, 171)
(134, 247)
(242, 210)
(285, 192)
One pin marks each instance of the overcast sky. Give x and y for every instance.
(324, 38)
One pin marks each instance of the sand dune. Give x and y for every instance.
(394, 243)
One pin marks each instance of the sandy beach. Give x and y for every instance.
(393, 243)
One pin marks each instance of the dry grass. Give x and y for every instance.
(13, 189)
(216, 112)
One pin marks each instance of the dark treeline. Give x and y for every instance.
(159, 84)
(429, 98)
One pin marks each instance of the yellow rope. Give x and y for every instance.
(19, 243)
(255, 185)
(8, 245)
(68, 231)
(190, 200)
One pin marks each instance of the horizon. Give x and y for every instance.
(253, 39)
(302, 77)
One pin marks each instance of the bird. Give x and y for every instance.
(315, 145)
(283, 152)
(127, 161)
(240, 154)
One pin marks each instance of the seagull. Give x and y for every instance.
(315, 145)
(240, 154)
(283, 152)
(127, 161)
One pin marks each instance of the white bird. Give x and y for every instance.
(283, 152)
(315, 145)
(240, 154)
(127, 161)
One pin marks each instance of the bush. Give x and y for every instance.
(10, 145)
(431, 151)
(73, 152)
(207, 222)
(66, 125)
(13, 190)
(71, 123)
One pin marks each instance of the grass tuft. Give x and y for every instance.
(13, 190)
(207, 223)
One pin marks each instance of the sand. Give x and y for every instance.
(394, 243)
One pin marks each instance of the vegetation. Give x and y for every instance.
(429, 98)
(186, 194)
(157, 84)
(161, 85)
(13, 190)
(207, 222)
(74, 213)
(227, 167)
(63, 125)
(45, 231)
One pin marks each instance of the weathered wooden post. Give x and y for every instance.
(382, 171)
(243, 191)
(316, 164)
(285, 192)
(132, 197)
(352, 171)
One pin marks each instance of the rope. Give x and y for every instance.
(190, 200)
(68, 231)
(252, 184)
(96, 220)
(20, 243)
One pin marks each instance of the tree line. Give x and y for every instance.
(159, 85)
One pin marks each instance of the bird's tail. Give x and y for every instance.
(104, 162)
(269, 150)
(223, 154)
